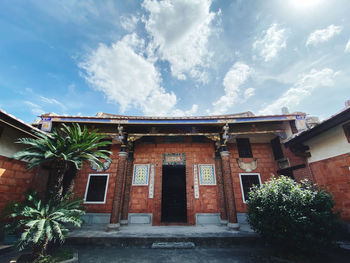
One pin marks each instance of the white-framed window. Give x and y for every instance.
(206, 174)
(247, 181)
(96, 189)
(141, 174)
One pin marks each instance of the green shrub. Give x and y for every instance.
(43, 222)
(290, 215)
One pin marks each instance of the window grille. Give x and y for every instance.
(244, 148)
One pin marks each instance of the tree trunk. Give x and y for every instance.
(55, 183)
(69, 177)
(39, 249)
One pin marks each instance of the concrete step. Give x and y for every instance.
(147, 242)
(173, 245)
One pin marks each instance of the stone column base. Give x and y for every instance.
(123, 222)
(233, 226)
(223, 222)
(113, 227)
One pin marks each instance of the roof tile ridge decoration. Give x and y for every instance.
(20, 121)
(242, 114)
(170, 118)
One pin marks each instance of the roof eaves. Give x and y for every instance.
(332, 121)
(17, 123)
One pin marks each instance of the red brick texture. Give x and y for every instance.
(15, 179)
(196, 153)
(228, 187)
(127, 187)
(118, 189)
(299, 174)
(221, 192)
(267, 167)
(333, 174)
(82, 179)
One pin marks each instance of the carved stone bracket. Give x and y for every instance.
(225, 135)
(132, 139)
(249, 166)
(216, 139)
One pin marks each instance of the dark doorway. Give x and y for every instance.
(174, 207)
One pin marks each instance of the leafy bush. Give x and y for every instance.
(43, 222)
(64, 151)
(292, 215)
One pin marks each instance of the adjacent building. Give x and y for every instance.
(15, 179)
(326, 147)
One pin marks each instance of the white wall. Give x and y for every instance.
(328, 144)
(7, 141)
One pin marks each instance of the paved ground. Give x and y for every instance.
(161, 231)
(234, 254)
(147, 255)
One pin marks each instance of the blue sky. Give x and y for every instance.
(174, 57)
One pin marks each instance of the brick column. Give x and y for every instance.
(228, 187)
(128, 179)
(114, 221)
(221, 193)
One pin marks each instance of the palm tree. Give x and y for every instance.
(42, 222)
(65, 149)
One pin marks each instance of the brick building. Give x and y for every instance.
(326, 147)
(181, 170)
(14, 177)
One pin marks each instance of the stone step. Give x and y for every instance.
(147, 242)
(173, 245)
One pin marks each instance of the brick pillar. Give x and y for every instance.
(228, 187)
(221, 193)
(114, 221)
(128, 179)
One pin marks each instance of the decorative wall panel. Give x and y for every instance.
(174, 159)
(196, 188)
(151, 182)
(141, 174)
(206, 174)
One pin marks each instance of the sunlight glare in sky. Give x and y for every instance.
(305, 3)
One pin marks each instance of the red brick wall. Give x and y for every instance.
(82, 178)
(334, 174)
(196, 153)
(266, 167)
(299, 174)
(14, 180)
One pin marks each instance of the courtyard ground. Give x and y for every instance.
(233, 254)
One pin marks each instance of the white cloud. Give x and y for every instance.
(347, 47)
(129, 23)
(52, 101)
(234, 78)
(123, 74)
(323, 35)
(189, 112)
(271, 43)
(303, 88)
(181, 42)
(249, 92)
(34, 108)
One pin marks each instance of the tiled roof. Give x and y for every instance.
(19, 124)
(102, 115)
(332, 121)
